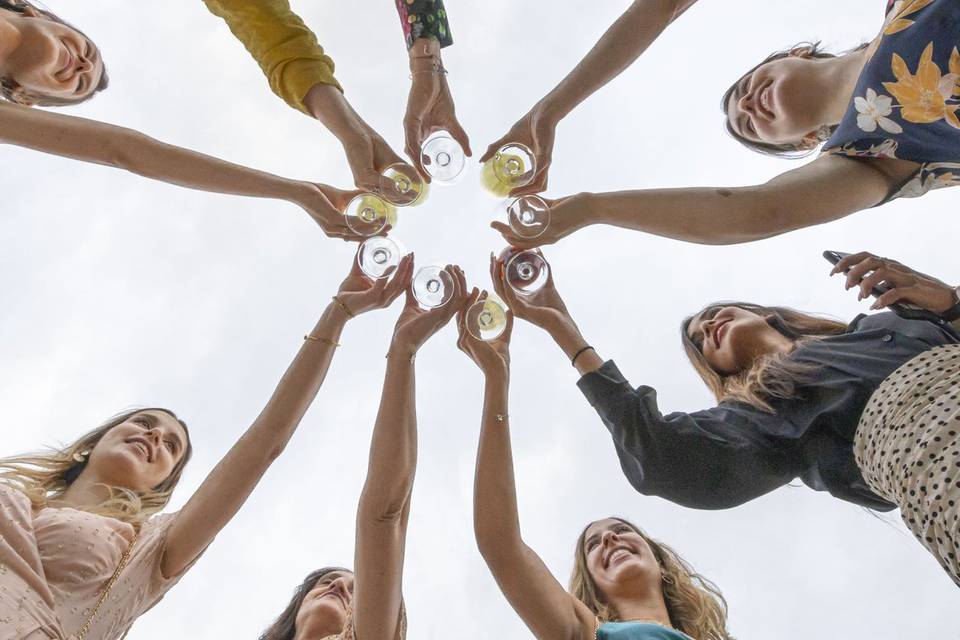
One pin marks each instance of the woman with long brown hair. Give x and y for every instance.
(46, 62)
(83, 549)
(625, 584)
(884, 115)
(335, 602)
(867, 410)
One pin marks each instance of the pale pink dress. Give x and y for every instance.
(54, 564)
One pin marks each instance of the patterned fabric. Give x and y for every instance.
(286, 50)
(637, 631)
(908, 448)
(55, 563)
(424, 19)
(906, 101)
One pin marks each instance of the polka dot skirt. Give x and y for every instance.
(907, 446)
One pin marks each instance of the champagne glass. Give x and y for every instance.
(527, 271)
(487, 319)
(529, 216)
(368, 214)
(432, 286)
(400, 184)
(377, 255)
(512, 166)
(442, 157)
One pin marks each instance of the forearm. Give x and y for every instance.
(393, 447)
(616, 50)
(495, 517)
(328, 105)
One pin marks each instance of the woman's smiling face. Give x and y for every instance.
(616, 554)
(52, 60)
(324, 610)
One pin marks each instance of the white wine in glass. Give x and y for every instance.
(512, 166)
(529, 216)
(368, 214)
(526, 270)
(378, 255)
(486, 319)
(442, 157)
(401, 185)
(432, 286)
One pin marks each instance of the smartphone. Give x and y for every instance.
(902, 309)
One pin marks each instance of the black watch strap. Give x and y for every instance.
(953, 313)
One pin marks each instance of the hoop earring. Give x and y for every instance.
(823, 133)
(81, 456)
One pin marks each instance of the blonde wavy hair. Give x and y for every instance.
(695, 604)
(771, 376)
(45, 476)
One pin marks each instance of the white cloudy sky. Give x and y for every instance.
(118, 291)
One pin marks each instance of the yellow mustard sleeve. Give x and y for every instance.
(283, 46)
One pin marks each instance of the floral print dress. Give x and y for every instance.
(424, 19)
(908, 95)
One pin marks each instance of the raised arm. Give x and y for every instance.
(616, 50)
(123, 148)
(230, 483)
(385, 500)
(538, 598)
(823, 190)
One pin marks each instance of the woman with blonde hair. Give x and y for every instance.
(867, 411)
(625, 585)
(335, 602)
(83, 549)
(45, 62)
(885, 115)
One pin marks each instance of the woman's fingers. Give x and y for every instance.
(850, 260)
(457, 133)
(893, 295)
(861, 269)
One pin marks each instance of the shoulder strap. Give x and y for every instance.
(106, 590)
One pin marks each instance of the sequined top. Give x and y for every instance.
(55, 563)
(638, 631)
(907, 98)
(424, 19)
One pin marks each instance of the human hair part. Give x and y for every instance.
(45, 476)
(9, 88)
(695, 605)
(787, 150)
(773, 376)
(285, 626)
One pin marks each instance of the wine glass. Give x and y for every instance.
(526, 270)
(400, 184)
(368, 214)
(529, 216)
(377, 255)
(432, 286)
(486, 319)
(512, 166)
(442, 157)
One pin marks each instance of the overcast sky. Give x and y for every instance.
(118, 291)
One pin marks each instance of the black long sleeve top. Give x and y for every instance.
(731, 453)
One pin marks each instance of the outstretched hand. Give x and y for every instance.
(430, 108)
(537, 132)
(493, 356)
(543, 308)
(865, 271)
(415, 326)
(360, 294)
(566, 216)
(325, 204)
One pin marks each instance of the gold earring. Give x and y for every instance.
(81, 456)
(823, 133)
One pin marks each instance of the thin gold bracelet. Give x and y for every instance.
(343, 307)
(322, 340)
(501, 417)
(412, 357)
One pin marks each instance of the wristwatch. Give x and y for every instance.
(953, 313)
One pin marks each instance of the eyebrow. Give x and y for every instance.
(154, 422)
(738, 92)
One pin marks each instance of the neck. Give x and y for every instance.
(647, 608)
(85, 492)
(9, 38)
(838, 82)
(306, 633)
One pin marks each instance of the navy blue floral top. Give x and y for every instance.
(424, 19)
(906, 101)
(637, 631)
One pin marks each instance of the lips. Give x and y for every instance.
(615, 554)
(764, 100)
(718, 332)
(143, 445)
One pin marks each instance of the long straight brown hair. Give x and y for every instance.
(769, 377)
(695, 604)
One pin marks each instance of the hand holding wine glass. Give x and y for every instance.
(492, 356)
(415, 325)
(430, 109)
(543, 308)
(536, 131)
(564, 216)
(359, 294)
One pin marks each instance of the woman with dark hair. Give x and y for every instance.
(46, 62)
(83, 549)
(335, 602)
(886, 114)
(867, 411)
(625, 585)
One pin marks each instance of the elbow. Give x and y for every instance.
(387, 509)
(127, 149)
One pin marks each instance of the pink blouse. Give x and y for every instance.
(54, 564)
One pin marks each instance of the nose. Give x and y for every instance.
(746, 103)
(154, 436)
(84, 65)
